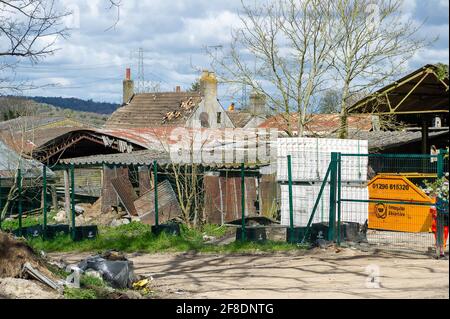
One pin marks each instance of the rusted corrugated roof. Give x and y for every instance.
(155, 109)
(319, 124)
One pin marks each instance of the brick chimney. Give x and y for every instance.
(128, 86)
(258, 104)
(178, 89)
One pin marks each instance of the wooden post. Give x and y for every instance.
(54, 197)
(425, 147)
(67, 194)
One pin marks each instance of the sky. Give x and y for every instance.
(91, 62)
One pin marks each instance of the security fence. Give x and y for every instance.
(81, 197)
(379, 200)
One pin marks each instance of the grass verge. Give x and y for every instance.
(137, 237)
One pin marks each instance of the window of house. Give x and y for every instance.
(204, 120)
(219, 117)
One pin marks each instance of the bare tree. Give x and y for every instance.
(373, 42)
(282, 51)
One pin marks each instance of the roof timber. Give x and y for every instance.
(406, 95)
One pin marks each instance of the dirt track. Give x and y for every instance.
(313, 274)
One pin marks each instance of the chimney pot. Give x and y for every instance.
(128, 74)
(178, 89)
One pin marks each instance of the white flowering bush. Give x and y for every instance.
(438, 188)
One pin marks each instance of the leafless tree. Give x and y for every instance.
(28, 30)
(282, 51)
(374, 40)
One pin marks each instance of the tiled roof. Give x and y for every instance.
(239, 119)
(319, 124)
(155, 109)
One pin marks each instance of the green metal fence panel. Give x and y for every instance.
(393, 222)
(316, 204)
(19, 190)
(155, 176)
(243, 230)
(291, 203)
(333, 192)
(72, 197)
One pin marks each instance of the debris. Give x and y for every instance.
(15, 253)
(125, 191)
(118, 273)
(93, 273)
(60, 217)
(79, 209)
(168, 205)
(119, 222)
(208, 238)
(113, 255)
(29, 270)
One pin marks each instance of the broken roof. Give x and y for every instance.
(27, 123)
(319, 124)
(10, 161)
(155, 109)
(423, 91)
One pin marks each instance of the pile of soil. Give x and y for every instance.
(16, 288)
(15, 253)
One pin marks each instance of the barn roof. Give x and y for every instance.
(423, 91)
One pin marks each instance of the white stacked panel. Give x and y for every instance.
(311, 158)
(304, 198)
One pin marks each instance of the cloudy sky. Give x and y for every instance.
(90, 64)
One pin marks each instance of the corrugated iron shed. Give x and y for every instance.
(10, 161)
(146, 157)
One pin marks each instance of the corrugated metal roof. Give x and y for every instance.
(10, 161)
(385, 139)
(146, 157)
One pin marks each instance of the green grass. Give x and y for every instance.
(31, 220)
(78, 293)
(137, 237)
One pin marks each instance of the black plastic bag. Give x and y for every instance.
(118, 273)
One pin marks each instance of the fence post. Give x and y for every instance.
(155, 186)
(440, 164)
(72, 196)
(1, 208)
(332, 217)
(19, 189)
(339, 184)
(44, 189)
(440, 210)
(243, 230)
(291, 204)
